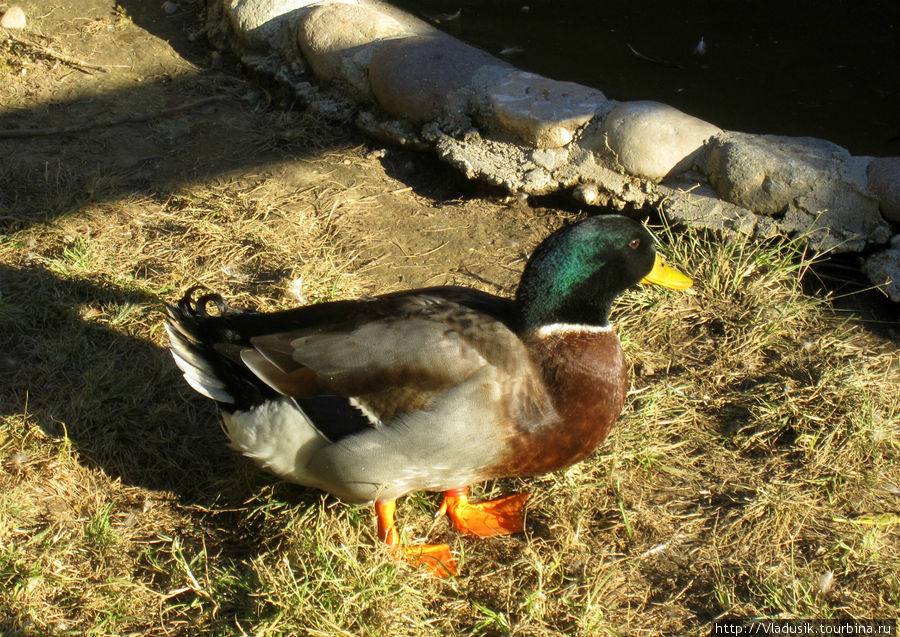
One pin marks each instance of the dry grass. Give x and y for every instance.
(760, 436)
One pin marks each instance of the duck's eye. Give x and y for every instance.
(634, 243)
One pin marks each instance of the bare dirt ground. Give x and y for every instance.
(239, 139)
(754, 473)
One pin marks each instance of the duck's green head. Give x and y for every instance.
(577, 272)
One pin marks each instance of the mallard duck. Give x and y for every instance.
(430, 389)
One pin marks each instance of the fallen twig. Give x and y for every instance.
(125, 119)
(62, 57)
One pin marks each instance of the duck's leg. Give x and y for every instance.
(484, 519)
(435, 557)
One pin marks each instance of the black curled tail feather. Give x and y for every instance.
(207, 348)
(196, 308)
(189, 314)
(204, 369)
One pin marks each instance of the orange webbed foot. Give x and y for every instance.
(502, 516)
(436, 558)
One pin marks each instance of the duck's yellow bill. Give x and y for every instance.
(666, 276)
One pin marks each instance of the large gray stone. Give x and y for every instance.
(654, 140)
(339, 40)
(884, 182)
(412, 24)
(542, 112)
(265, 24)
(422, 78)
(814, 186)
(763, 173)
(697, 205)
(883, 269)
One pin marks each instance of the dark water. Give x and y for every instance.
(824, 69)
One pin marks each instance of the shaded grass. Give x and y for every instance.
(759, 444)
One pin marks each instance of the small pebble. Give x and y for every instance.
(587, 193)
(13, 18)
(826, 581)
(170, 7)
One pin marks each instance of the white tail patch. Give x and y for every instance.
(210, 391)
(197, 371)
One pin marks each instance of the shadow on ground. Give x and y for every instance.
(123, 405)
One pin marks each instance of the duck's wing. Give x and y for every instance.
(398, 357)
(354, 364)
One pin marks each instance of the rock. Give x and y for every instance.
(339, 40)
(763, 173)
(422, 78)
(587, 193)
(697, 205)
(394, 131)
(537, 180)
(262, 25)
(815, 186)
(883, 269)
(543, 112)
(494, 162)
(654, 140)
(13, 18)
(884, 182)
(409, 22)
(550, 158)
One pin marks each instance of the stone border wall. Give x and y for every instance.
(401, 80)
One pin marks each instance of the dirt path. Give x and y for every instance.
(400, 213)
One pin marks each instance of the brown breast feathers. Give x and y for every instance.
(584, 372)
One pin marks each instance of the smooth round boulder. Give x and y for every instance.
(338, 40)
(654, 140)
(260, 24)
(421, 78)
